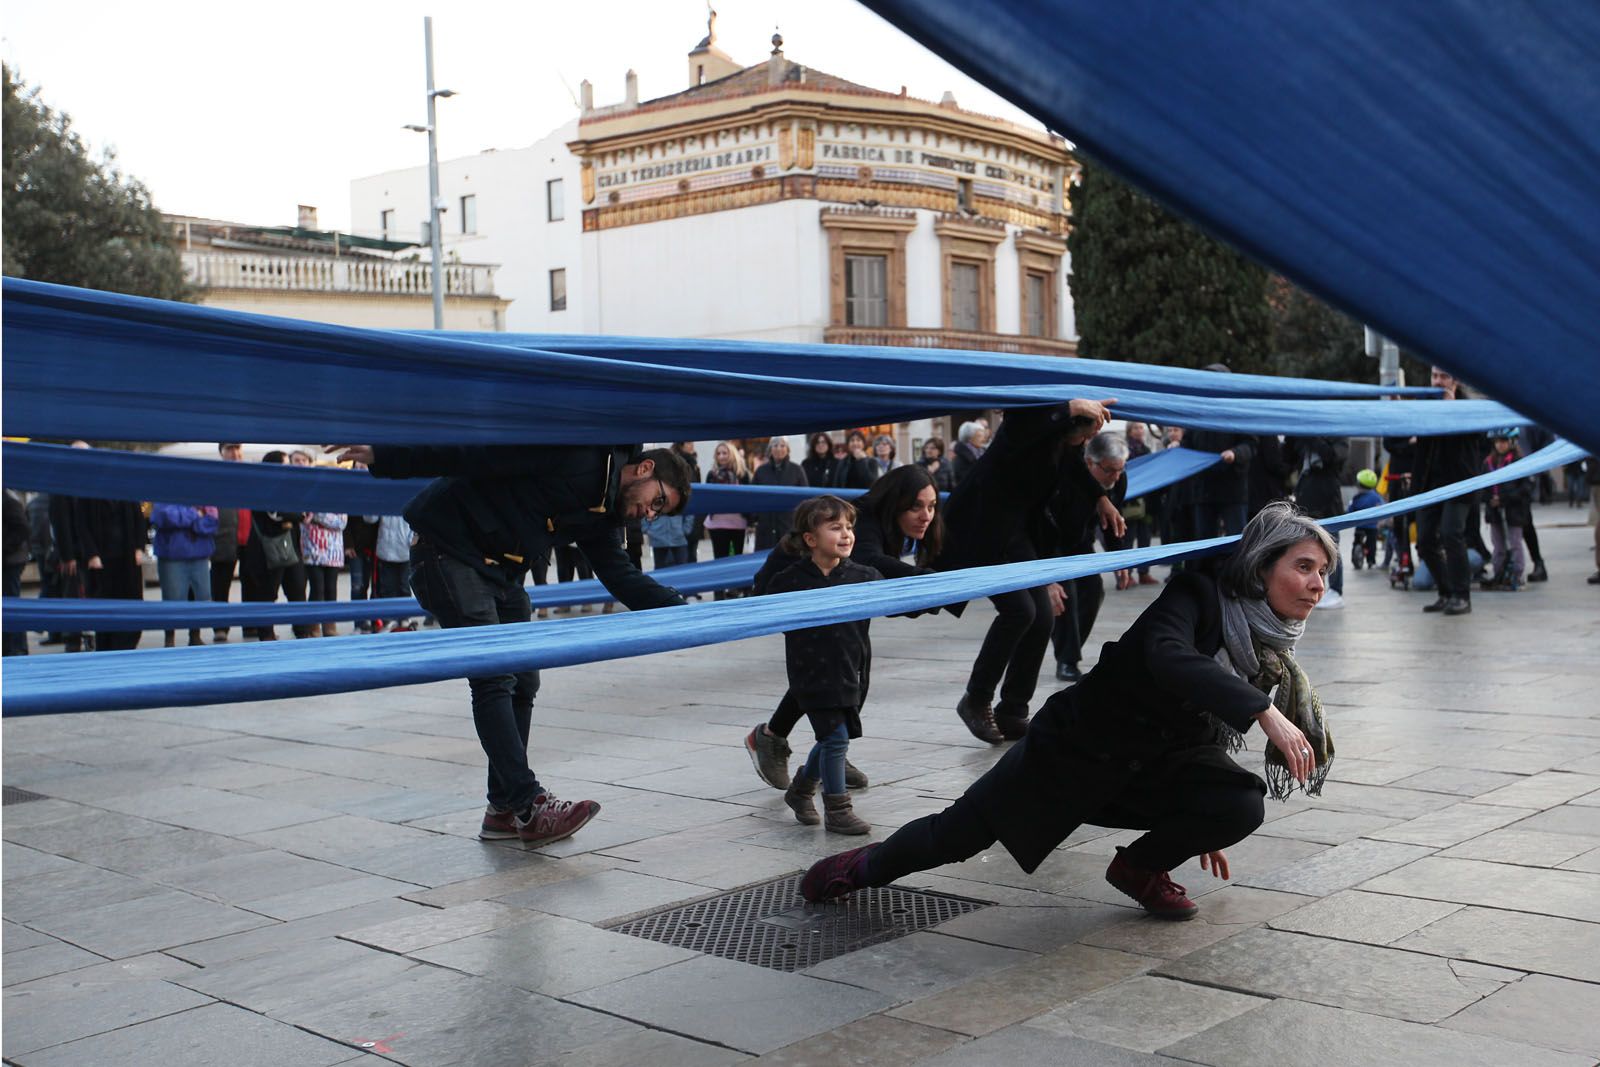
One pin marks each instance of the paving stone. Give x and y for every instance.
(656, 1048)
(176, 848)
(1290, 1033)
(1461, 781)
(1539, 1010)
(65, 891)
(147, 923)
(1326, 825)
(1572, 894)
(85, 830)
(438, 860)
(1543, 790)
(916, 966)
(554, 956)
(876, 1041)
(430, 1016)
(435, 926)
(1372, 918)
(257, 875)
(310, 974)
(21, 861)
(282, 935)
(1013, 994)
(1586, 861)
(1581, 820)
(241, 815)
(1383, 981)
(200, 1037)
(1530, 848)
(361, 889)
(773, 1009)
(540, 871)
(1338, 868)
(51, 1011)
(1145, 1013)
(16, 938)
(1542, 943)
(1034, 929)
(40, 961)
(606, 895)
(1026, 1044)
(719, 864)
(1452, 825)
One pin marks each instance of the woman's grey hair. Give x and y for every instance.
(1107, 446)
(967, 430)
(1267, 537)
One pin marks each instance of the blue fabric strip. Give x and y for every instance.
(223, 674)
(106, 474)
(81, 363)
(1145, 475)
(1277, 126)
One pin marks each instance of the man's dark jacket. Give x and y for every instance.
(1320, 461)
(500, 508)
(1226, 483)
(1074, 510)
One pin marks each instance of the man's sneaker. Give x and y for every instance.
(979, 718)
(549, 820)
(498, 825)
(1331, 599)
(854, 777)
(1155, 891)
(837, 876)
(1458, 606)
(769, 754)
(1438, 605)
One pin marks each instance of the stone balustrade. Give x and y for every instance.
(327, 274)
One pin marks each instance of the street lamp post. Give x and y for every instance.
(435, 238)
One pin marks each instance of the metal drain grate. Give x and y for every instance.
(14, 795)
(770, 926)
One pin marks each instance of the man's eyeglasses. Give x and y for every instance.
(660, 505)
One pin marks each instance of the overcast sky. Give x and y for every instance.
(241, 112)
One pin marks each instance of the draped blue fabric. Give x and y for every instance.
(227, 673)
(887, 365)
(104, 474)
(1428, 167)
(81, 363)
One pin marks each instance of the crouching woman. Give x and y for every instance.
(1143, 742)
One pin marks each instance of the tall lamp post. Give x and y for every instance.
(434, 203)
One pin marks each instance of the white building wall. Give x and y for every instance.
(512, 228)
(924, 276)
(1007, 286)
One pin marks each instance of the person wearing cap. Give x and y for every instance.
(1507, 508)
(1365, 549)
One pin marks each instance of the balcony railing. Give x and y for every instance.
(325, 274)
(902, 337)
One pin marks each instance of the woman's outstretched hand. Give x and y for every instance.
(1216, 863)
(1289, 740)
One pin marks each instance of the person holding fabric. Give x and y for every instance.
(898, 533)
(771, 526)
(322, 552)
(1320, 461)
(997, 515)
(228, 539)
(1144, 741)
(1076, 516)
(857, 470)
(1442, 528)
(933, 462)
(819, 463)
(489, 510)
(114, 537)
(185, 540)
(828, 666)
(726, 529)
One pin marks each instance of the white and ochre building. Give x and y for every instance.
(771, 202)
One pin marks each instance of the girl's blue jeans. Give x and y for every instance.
(826, 762)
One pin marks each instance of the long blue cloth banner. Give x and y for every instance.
(73, 616)
(81, 363)
(106, 474)
(1277, 126)
(223, 674)
(889, 365)
(1145, 475)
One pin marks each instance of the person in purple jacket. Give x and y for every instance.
(185, 541)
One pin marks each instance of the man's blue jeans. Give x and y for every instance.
(502, 704)
(184, 579)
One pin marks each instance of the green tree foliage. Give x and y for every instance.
(75, 220)
(1312, 340)
(1148, 286)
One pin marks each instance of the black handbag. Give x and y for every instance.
(279, 551)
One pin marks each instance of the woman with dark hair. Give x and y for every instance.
(933, 462)
(858, 469)
(1143, 742)
(898, 534)
(819, 463)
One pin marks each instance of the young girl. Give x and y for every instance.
(726, 529)
(827, 665)
(1508, 511)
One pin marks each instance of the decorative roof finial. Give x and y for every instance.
(777, 42)
(711, 23)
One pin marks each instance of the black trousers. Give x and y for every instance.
(118, 580)
(1012, 651)
(572, 564)
(1186, 814)
(1084, 597)
(1442, 545)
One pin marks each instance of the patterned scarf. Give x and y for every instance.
(1258, 646)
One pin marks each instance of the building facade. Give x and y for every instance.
(769, 202)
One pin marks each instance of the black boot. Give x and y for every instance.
(1438, 605)
(979, 718)
(1538, 574)
(1459, 606)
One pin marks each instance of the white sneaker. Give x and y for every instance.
(1331, 599)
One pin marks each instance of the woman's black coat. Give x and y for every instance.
(828, 665)
(772, 525)
(854, 472)
(1318, 490)
(944, 479)
(1150, 705)
(819, 469)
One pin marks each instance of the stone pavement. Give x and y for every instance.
(299, 882)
